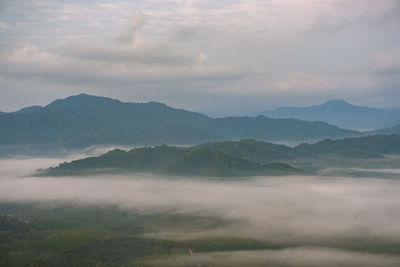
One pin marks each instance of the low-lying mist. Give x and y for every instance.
(306, 210)
(304, 257)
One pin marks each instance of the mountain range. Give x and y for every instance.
(83, 120)
(342, 114)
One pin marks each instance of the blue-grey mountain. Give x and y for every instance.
(342, 114)
(83, 120)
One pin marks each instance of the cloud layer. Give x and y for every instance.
(254, 54)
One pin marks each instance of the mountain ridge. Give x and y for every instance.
(84, 120)
(340, 113)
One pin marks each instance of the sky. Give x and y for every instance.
(226, 57)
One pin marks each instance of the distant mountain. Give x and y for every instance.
(268, 129)
(83, 120)
(340, 113)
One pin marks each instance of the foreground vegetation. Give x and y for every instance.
(66, 235)
(79, 235)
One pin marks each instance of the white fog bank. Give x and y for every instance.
(270, 208)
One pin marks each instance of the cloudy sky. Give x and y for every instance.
(218, 57)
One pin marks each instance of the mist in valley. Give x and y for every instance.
(324, 218)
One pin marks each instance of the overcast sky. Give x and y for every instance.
(218, 57)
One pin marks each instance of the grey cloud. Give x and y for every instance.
(120, 66)
(341, 19)
(199, 51)
(393, 14)
(185, 32)
(153, 54)
(136, 21)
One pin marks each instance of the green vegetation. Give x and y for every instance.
(198, 160)
(355, 147)
(221, 159)
(67, 235)
(39, 235)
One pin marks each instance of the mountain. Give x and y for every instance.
(340, 113)
(269, 129)
(163, 159)
(29, 109)
(83, 120)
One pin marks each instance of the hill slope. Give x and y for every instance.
(169, 160)
(243, 158)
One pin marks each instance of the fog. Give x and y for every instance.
(307, 257)
(307, 210)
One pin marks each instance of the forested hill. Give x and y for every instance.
(83, 120)
(243, 158)
(373, 144)
(198, 161)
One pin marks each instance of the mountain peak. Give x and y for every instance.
(336, 102)
(81, 99)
